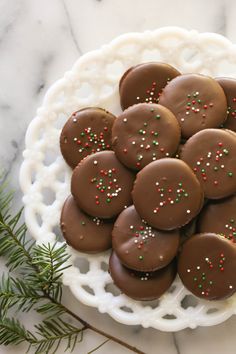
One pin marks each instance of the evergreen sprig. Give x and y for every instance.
(34, 283)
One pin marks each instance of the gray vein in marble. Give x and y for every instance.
(44, 66)
(18, 146)
(71, 28)
(176, 345)
(8, 26)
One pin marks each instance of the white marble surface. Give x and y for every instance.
(39, 41)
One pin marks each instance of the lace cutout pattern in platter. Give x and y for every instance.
(45, 177)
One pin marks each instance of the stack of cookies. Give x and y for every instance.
(157, 184)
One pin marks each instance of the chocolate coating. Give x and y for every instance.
(101, 185)
(207, 265)
(141, 247)
(86, 131)
(167, 194)
(197, 101)
(219, 217)
(144, 83)
(229, 87)
(211, 154)
(144, 133)
(139, 285)
(82, 232)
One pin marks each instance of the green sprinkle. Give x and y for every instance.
(140, 257)
(186, 194)
(225, 151)
(158, 116)
(200, 286)
(188, 104)
(189, 96)
(156, 134)
(83, 223)
(108, 200)
(152, 110)
(211, 282)
(199, 101)
(234, 233)
(176, 200)
(145, 124)
(232, 221)
(195, 278)
(215, 168)
(140, 131)
(180, 184)
(82, 134)
(230, 174)
(203, 170)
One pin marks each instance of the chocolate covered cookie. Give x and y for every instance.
(229, 87)
(101, 185)
(207, 265)
(167, 194)
(211, 154)
(197, 101)
(141, 247)
(144, 133)
(87, 131)
(219, 217)
(141, 285)
(144, 83)
(82, 232)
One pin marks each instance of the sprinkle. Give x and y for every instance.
(230, 174)
(125, 120)
(188, 211)
(95, 162)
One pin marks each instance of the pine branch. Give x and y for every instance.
(39, 287)
(12, 332)
(15, 292)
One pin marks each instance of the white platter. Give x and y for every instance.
(45, 178)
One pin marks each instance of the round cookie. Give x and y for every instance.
(141, 247)
(219, 217)
(144, 83)
(167, 194)
(197, 101)
(144, 133)
(211, 154)
(229, 87)
(82, 232)
(139, 285)
(87, 131)
(101, 185)
(207, 265)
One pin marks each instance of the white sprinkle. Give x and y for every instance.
(222, 166)
(188, 270)
(74, 120)
(231, 286)
(161, 204)
(138, 98)
(206, 259)
(154, 211)
(75, 139)
(157, 183)
(188, 211)
(198, 267)
(187, 113)
(131, 227)
(198, 163)
(95, 162)
(135, 241)
(167, 154)
(125, 120)
(208, 163)
(182, 119)
(133, 143)
(141, 145)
